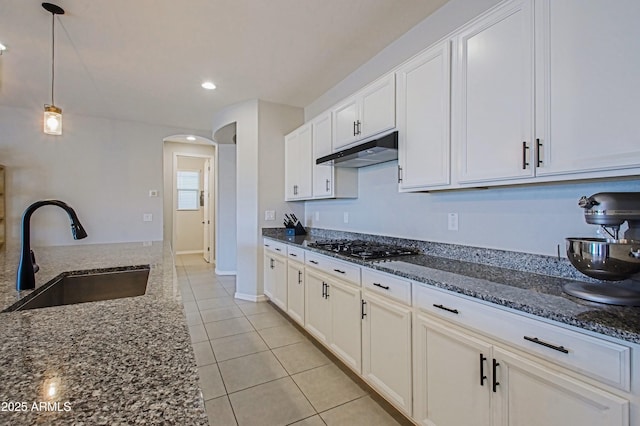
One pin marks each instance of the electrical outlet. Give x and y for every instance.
(153, 193)
(346, 217)
(147, 217)
(452, 221)
(147, 244)
(317, 216)
(269, 215)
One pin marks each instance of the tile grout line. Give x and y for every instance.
(256, 330)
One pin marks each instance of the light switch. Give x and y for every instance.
(147, 217)
(269, 215)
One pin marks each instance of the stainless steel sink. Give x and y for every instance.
(71, 288)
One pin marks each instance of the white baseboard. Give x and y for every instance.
(220, 272)
(251, 297)
(190, 252)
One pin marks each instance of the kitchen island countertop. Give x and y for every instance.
(532, 293)
(123, 361)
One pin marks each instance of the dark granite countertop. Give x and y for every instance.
(523, 290)
(116, 362)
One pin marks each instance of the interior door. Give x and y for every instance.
(206, 220)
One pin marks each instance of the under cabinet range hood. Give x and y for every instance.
(366, 154)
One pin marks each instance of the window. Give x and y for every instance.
(188, 190)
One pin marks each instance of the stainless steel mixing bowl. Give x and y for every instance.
(610, 260)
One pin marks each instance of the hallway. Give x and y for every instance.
(256, 368)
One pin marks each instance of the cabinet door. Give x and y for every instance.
(295, 291)
(386, 349)
(305, 166)
(346, 332)
(297, 160)
(291, 165)
(268, 276)
(345, 117)
(322, 174)
(378, 107)
(530, 395)
(424, 119)
(494, 99)
(279, 272)
(448, 366)
(587, 94)
(317, 320)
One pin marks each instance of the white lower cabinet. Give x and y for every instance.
(275, 279)
(346, 331)
(295, 291)
(463, 379)
(448, 366)
(316, 306)
(386, 349)
(332, 315)
(449, 360)
(529, 394)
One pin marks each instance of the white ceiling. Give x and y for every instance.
(144, 60)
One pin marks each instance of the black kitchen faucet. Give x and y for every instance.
(28, 267)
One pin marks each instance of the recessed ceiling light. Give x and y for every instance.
(191, 138)
(2, 48)
(208, 85)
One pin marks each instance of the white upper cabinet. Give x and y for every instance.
(378, 107)
(424, 88)
(322, 174)
(297, 160)
(345, 123)
(367, 113)
(493, 95)
(587, 91)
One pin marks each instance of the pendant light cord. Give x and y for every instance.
(53, 53)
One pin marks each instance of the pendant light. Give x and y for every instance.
(52, 113)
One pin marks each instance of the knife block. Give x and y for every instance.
(296, 230)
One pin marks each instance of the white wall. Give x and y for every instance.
(260, 129)
(226, 217)
(275, 121)
(189, 226)
(533, 219)
(103, 168)
(245, 115)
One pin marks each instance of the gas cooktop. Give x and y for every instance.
(364, 250)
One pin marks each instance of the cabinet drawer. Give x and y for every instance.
(275, 247)
(295, 253)
(387, 285)
(344, 271)
(592, 357)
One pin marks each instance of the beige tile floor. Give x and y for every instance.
(256, 368)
